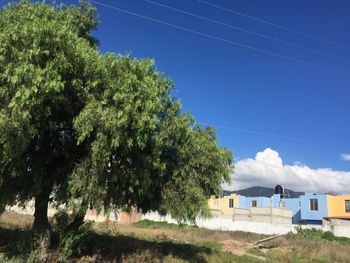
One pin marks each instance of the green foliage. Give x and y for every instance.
(74, 244)
(319, 234)
(61, 220)
(24, 244)
(45, 66)
(95, 130)
(155, 224)
(311, 233)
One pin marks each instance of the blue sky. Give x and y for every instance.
(226, 85)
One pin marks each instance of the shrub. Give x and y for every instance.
(318, 234)
(61, 220)
(74, 244)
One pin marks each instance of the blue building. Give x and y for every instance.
(293, 204)
(248, 202)
(313, 208)
(307, 209)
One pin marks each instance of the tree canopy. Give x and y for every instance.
(86, 129)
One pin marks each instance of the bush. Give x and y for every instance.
(25, 243)
(74, 244)
(61, 220)
(318, 234)
(310, 233)
(146, 223)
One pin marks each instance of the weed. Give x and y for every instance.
(318, 234)
(157, 224)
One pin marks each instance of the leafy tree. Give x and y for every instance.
(95, 130)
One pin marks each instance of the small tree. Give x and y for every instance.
(84, 129)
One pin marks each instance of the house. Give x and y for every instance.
(259, 201)
(313, 208)
(224, 205)
(293, 204)
(307, 209)
(338, 206)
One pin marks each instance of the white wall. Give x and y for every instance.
(339, 227)
(225, 223)
(218, 222)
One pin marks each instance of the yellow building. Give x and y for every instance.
(224, 204)
(338, 206)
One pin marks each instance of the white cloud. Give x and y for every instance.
(267, 169)
(345, 156)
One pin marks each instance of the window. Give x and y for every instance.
(299, 203)
(347, 206)
(216, 203)
(313, 204)
(230, 205)
(254, 203)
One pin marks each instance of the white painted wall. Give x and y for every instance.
(339, 227)
(225, 223)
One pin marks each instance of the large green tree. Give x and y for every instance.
(86, 129)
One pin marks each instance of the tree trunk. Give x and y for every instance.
(77, 222)
(41, 225)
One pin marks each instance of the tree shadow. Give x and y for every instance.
(104, 247)
(117, 247)
(15, 241)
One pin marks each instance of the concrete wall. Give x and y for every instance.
(293, 204)
(218, 222)
(264, 215)
(91, 215)
(225, 223)
(339, 227)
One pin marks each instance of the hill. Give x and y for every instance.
(261, 191)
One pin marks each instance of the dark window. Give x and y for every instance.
(347, 206)
(254, 203)
(313, 204)
(230, 205)
(299, 203)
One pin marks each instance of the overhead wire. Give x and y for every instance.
(246, 30)
(303, 140)
(274, 24)
(221, 39)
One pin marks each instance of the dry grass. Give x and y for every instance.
(111, 242)
(174, 244)
(14, 220)
(291, 248)
(187, 234)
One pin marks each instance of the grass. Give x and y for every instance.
(317, 234)
(148, 241)
(110, 242)
(155, 224)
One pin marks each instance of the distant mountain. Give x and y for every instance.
(261, 191)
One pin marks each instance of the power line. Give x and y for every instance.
(274, 135)
(246, 30)
(221, 39)
(274, 24)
